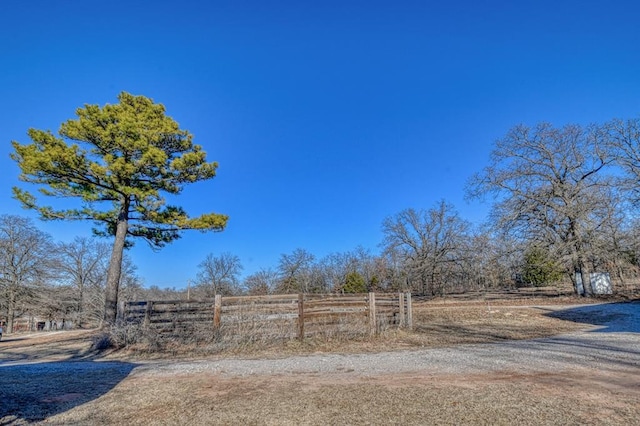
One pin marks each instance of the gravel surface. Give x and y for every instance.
(559, 353)
(614, 342)
(586, 377)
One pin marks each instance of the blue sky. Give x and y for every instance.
(324, 118)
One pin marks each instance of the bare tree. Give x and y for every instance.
(261, 283)
(624, 242)
(154, 292)
(490, 262)
(27, 261)
(623, 139)
(549, 188)
(626, 260)
(83, 266)
(83, 263)
(614, 244)
(219, 274)
(391, 274)
(298, 273)
(432, 244)
(336, 267)
(130, 287)
(365, 264)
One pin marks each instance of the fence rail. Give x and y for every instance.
(292, 315)
(509, 294)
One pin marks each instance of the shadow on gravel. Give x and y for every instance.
(623, 317)
(23, 349)
(585, 351)
(33, 392)
(7, 339)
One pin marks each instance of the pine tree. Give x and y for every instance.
(118, 161)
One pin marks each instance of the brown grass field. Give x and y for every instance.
(105, 389)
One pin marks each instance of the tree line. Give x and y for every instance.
(55, 281)
(563, 205)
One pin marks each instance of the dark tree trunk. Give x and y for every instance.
(11, 311)
(586, 278)
(586, 282)
(115, 268)
(80, 307)
(580, 264)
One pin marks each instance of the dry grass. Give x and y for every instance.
(34, 393)
(110, 395)
(436, 324)
(444, 326)
(54, 346)
(312, 400)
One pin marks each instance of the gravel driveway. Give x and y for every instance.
(599, 368)
(614, 342)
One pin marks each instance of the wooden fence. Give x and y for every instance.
(506, 294)
(282, 315)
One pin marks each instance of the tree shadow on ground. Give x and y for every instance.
(621, 317)
(6, 339)
(32, 392)
(46, 347)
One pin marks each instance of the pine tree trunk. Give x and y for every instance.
(115, 268)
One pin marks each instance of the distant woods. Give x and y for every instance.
(564, 205)
(59, 284)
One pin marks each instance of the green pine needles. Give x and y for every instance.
(119, 161)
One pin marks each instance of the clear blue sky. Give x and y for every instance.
(324, 118)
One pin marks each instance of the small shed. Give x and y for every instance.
(600, 283)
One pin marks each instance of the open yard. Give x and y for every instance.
(465, 363)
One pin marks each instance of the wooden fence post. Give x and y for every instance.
(147, 314)
(301, 316)
(401, 314)
(217, 311)
(121, 314)
(372, 314)
(409, 311)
